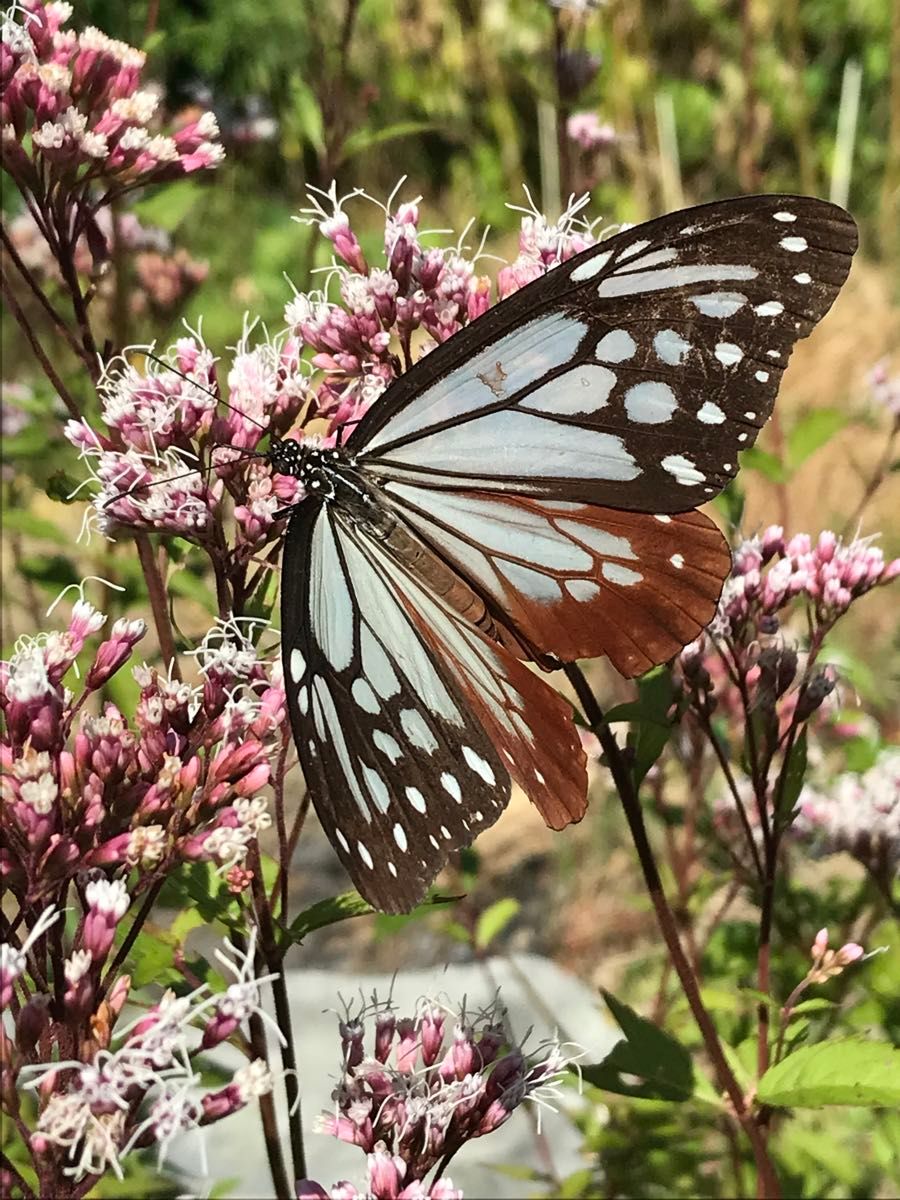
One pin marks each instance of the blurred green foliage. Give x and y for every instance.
(447, 93)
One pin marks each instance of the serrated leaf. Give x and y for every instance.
(840, 1072)
(812, 432)
(494, 920)
(662, 1065)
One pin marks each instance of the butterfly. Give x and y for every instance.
(527, 492)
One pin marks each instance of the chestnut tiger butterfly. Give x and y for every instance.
(528, 492)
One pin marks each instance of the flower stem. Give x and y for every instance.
(47, 367)
(159, 604)
(768, 1180)
(268, 1118)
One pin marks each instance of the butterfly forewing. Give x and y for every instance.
(631, 376)
(400, 769)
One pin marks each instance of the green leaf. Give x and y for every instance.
(494, 920)
(63, 488)
(307, 115)
(169, 206)
(766, 464)
(794, 774)
(185, 583)
(342, 908)
(663, 1066)
(364, 139)
(839, 1072)
(650, 733)
(811, 432)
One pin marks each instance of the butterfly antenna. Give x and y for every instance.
(139, 487)
(203, 388)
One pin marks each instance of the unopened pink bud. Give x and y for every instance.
(820, 945)
(848, 953)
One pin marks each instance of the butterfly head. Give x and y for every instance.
(317, 467)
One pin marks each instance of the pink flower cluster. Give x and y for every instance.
(96, 1109)
(744, 656)
(415, 289)
(590, 133)
(769, 572)
(85, 790)
(72, 110)
(167, 433)
(419, 1097)
(858, 814)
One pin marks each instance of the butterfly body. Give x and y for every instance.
(527, 492)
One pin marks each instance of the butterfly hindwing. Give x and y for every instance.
(576, 580)
(400, 769)
(630, 376)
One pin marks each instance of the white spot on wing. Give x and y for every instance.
(683, 469)
(417, 731)
(803, 277)
(728, 353)
(582, 589)
(534, 584)
(365, 855)
(298, 666)
(762, 376)
(621, 575)
(416, 799)
(344, 843)
(653, 259)
(671, 347)
(377, 787)
(795, 244)
(303, 700)
(479, 765)
(672, 277)
(720, 304)
(616, 346)
(650, 402)
(607, 544)
(451, 786)
(710, 414)
(771, 308)
(388, 746)
(633, 249)
(584, 389)
(400, 837)
(587, 270)
(364, 696)
(785, 216)
(677, 561)
(662, 518)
